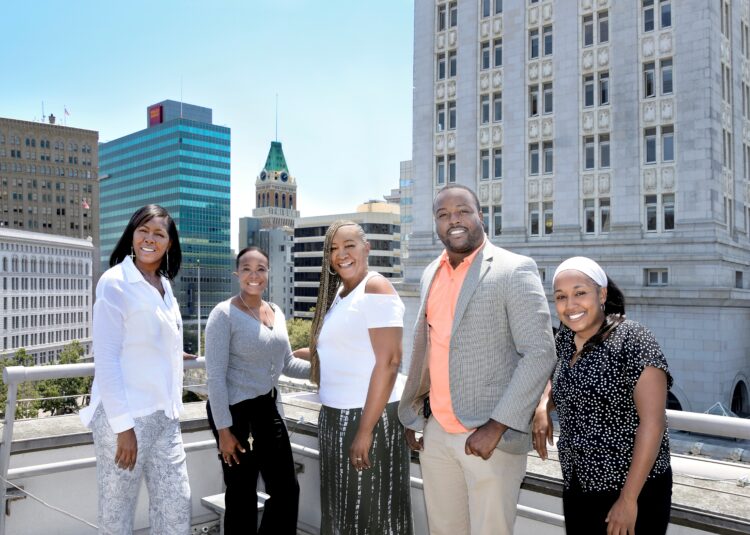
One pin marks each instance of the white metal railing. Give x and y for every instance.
(708, 424)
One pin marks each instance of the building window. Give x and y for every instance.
(484, 109)
(651, 213)
(486, 7)
(726, 84)
(547, 96)
(533, 44)
(745, 39)
(440, 68)
(667, 143)
(738, 282)
(484, 164)
(648, 15)
(497, 107)
(603, 27)
(497, 163)
(534, 159)
(441, 18)
(649, 89)
(533, 101)
(497, 220)
(588, 90)
(649, 142)
(534, 219)
(745, 100)
(548, 221)
(660, 212)
(666, 77)
(440, 117)
(498, 6)
(486, 218)
(603, 88)
(548, 157)
(588, 30)
(667, 211)
(452, 64)
(588, 152)
(666, 13)
(589, 216)
(727, 149)
(656, 276)
(440, 170)
(547, 35)
(451, 115)
(453, 14)
(604, 151)
(498, 52)
(604, 216)
(484, 56)
(725, 18)
(451, 168)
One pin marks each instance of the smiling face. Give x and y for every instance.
(458, 223)
(252, 271)
(151, 242)
(349, 254)
(579, 301)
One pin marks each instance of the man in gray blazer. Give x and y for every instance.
(483, 351)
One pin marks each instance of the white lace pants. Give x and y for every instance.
(161, 459)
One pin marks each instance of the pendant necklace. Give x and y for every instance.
(250, 310)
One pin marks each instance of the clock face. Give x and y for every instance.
(284, 176)
(263, 175)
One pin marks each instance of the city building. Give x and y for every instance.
(276, 191)
(47, 293)
(181, 161)
(277, 242)
(381, 224)
(615, 130)
(48, 178)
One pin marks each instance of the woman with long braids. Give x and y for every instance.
(136, 397)
(355, 356)
(247, 349)
(610, 392)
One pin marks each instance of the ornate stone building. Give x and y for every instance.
(276, 191)
(616, 130)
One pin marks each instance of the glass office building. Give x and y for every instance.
(182, 162)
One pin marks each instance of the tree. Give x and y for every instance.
(67, 390)
(299, 332)
(27, 390)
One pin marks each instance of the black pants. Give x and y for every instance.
(585, 512)
(271, 456)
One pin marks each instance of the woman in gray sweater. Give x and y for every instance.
(247, 349)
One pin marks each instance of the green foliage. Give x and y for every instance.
(299, 332)
(73, 387)
(27, 390)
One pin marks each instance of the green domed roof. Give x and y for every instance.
(275, 160)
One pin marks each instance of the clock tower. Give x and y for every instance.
(275, 192)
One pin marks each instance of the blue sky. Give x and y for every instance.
(342, 70)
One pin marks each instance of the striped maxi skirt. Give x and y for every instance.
(371, 502)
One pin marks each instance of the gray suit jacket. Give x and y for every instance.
(501, 350)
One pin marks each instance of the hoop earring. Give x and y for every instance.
(132, 253)
(330, 271)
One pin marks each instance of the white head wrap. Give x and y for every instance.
(586, 266)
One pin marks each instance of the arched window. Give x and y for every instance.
(276, 199)
(258, 201)
(291, 201)
(283, 200)
(5, 263)
(741, 400)
(14, 264)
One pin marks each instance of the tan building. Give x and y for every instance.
(49, 179)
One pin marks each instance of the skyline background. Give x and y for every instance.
(342, 72)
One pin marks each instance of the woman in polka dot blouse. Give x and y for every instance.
(609, 390)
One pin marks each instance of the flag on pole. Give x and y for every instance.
(84, 204)
(66, 110)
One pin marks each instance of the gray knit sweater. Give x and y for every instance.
(244, 358)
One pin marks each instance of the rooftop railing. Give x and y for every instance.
(721, 426)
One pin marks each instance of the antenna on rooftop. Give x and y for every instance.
(180, 96)
(277, 117)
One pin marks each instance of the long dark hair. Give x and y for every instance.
(171, 261)
(614, 314)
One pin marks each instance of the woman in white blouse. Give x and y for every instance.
(136, 397)
(355, 356)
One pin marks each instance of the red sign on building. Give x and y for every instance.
(155, 115)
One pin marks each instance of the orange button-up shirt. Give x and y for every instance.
(441, 308)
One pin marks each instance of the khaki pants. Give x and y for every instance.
(465, 494)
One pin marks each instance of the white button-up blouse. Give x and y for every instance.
(137, 342)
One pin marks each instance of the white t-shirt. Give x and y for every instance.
(137, 349)
(344, 347)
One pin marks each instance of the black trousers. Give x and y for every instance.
(271, 457)
(585, 512)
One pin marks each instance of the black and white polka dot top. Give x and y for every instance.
(595, 405)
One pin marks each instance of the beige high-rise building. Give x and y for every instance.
(49, 179)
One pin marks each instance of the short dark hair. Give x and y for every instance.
(170, 262)
(457, 186)
(247, 250)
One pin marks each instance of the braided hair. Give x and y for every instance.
(329, 286)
